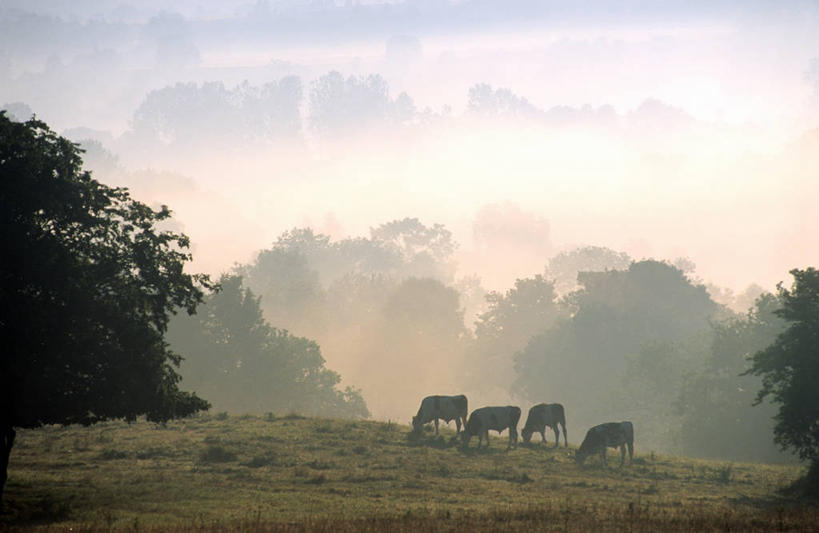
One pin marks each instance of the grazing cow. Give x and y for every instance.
(446, 408)
(494, 418)
(608, 435)
(542, 415)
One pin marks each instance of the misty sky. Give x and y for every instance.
(661, 129)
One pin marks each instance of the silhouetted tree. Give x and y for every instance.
(236, 359)
(88, 286)
(789, 369)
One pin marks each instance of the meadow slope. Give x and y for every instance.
(220, 473)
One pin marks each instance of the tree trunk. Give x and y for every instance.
(7, 434)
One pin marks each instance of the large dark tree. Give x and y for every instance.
(87, 285)
(789, 368)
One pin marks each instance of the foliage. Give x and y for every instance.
(299, 274)
(89, 284)
(484, 100)
(564, 267)
(715, 400)
(425, 250)
(188, 114)
(293, 295)
(242, 364)
(528, 309)
(339, 106)
(789, 367)
(416, 339)
(582, 360)
(374, 305)
(652, 381)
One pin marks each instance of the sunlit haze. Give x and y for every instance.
(666, 131)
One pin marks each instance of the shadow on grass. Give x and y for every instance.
(802, 492)
(31, 506)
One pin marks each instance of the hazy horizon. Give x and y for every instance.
(663, 130)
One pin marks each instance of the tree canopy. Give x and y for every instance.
(242, 364)
(89, 283)
(614, 317)
(789, 368)
(528, 309)
(715, 399)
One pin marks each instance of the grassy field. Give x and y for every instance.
(219, 473)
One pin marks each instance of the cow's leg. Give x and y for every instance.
(556, 429)
(457, 426)
(436, 427)
(543, 435)
(486, 433)
(630, 452)
(513, 438)
(622, 454)
(565, 436)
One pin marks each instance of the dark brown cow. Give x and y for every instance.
(542, 415)
(608, 435)
(494, 418)
(445, 408)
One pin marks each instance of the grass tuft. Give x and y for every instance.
(215, 453)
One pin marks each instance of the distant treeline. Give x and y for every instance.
(621, 339)
(187, 119)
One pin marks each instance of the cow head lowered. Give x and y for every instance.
(582, 454)
(608, 435)
(526, 435)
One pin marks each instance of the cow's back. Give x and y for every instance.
(558, 413)
(536, 418)
(446, 407)
(494, 418)
(544, 414)
(628, 432)
(461, 405)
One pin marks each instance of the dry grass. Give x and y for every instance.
(299, 474)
